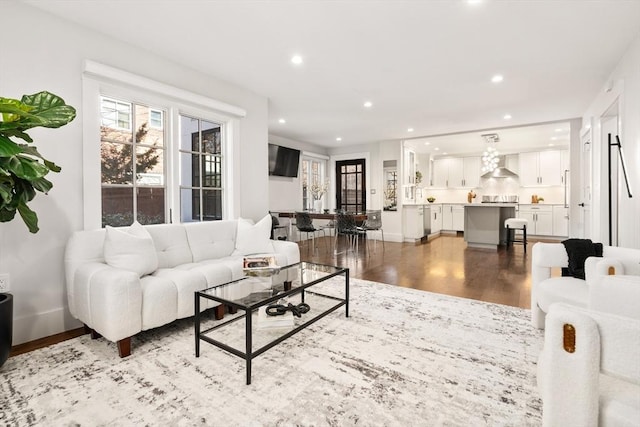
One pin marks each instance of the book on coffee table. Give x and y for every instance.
(260, 266)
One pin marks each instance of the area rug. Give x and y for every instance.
(403, 357)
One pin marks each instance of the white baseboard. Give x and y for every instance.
(40, 325)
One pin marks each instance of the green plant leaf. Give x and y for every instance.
(43, 185)
(8, 148)
(48, 110)
(33, 151)
(29, 217)
(7, 215)
(12, 109)
(26, 168)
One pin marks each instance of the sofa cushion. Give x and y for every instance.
(562, 289)
(186, 283)
(211, 239)
(159, 301)
(130, 248)
(254, 238)
(172, 245)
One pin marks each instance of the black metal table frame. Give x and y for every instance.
(249, 354)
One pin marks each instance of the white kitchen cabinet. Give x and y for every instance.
(560, 221)
(414, 222)
(458, 217)
(456, 172)
(436, 218)
(539, 217)
(453, 217)
(542, 168)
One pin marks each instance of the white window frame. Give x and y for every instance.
(103, 80)
(116, 123)
(151, 125)
(322, 160)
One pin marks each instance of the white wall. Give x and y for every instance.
(285, 194)
(49, 57)
(623, 85)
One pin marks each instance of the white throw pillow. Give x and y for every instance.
(254, 239)
(130, 249)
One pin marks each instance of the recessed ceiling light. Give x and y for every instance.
(553, 138)
(282, 121)
(436, 148)
(445, 153)
(551, 145)
(410, 130)
(558, 130)
(497, 78)
(368, 104)
(427, 143)
(296, 59)
(338, 139)
(474, 1)
(507, 116)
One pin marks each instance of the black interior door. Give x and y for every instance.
(351, 194)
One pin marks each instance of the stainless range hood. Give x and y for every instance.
(501, 171)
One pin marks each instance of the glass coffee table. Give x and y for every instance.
(303, 287)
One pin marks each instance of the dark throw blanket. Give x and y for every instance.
(578, 250)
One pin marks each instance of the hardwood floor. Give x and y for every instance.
(444, 265)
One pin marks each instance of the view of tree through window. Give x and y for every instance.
(132, 165)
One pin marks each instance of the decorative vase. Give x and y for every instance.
(317, 205)
(6, 326)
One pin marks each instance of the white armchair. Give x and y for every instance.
(589, 369)
(546, 290)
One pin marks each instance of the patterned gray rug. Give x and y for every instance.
(404, 357)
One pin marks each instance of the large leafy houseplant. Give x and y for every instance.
(22, 167)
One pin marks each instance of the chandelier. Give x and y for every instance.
(490, 159)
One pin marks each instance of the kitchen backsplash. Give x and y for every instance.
(552, 195)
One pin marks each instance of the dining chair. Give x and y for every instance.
(304, 224)
(374, 223)
(346, 226)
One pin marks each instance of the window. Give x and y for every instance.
(155, 119)
(115, 114)
(155, 153)
(351, 185)
(132, 168)
(313, 175)
(201, 166)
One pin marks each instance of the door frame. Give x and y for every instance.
(332, 172)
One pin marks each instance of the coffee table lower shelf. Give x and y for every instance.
(250, 317)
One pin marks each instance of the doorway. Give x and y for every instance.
(584, 226)
(610, 217)
(351, 194)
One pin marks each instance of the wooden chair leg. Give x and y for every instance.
(124, 347)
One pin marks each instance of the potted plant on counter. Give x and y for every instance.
(23, 171)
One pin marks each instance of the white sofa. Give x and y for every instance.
(121, 281)
(546, 290)
(589, 369)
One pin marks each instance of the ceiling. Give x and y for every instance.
(425, 65)
(519, 139)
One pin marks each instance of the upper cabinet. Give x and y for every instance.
(542, 168)
(456, 172)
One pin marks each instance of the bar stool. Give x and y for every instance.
(513, 224)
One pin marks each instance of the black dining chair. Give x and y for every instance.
(346, 226)
(304, 224)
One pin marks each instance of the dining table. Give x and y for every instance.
(358, 217)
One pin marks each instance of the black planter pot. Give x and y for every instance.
(6, 326)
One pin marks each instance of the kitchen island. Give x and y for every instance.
(484, 224)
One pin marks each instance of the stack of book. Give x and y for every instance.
(274, 322)
(260, 266)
